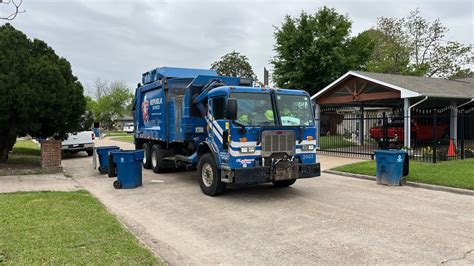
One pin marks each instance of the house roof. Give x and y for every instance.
(470, 80)
(413, 86)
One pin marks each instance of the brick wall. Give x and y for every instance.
(51, 154)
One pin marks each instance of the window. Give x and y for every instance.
(295, 110)
(218, 107)
(254, 109)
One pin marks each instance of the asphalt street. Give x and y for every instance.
(329, 219)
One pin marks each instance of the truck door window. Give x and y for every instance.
(218, 106)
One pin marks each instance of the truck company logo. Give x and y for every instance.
(145, 109)
(245, 162)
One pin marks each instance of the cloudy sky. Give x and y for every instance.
(119, 40)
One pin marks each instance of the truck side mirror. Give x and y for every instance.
(231, 112)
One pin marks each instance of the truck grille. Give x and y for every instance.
(275, 141)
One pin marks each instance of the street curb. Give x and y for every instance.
(411, 184)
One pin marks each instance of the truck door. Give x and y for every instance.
(216, 121)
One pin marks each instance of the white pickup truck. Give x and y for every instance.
(80, 141)
(128, 127)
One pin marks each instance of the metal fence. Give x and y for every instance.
(436, 134)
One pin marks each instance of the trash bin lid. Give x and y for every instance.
(108, 148)
(136, 154)
(391, 152)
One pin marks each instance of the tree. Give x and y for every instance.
(234, 64)
(417, 46)
(361, 49)
(462, 73)
(314, 50)
(16, 9)
(88, 120)
(113, 101)
(39, 94)
(388, 54)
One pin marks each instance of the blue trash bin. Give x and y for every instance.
(390, 167)
(129, 168)
(97, 132)
(103, 154)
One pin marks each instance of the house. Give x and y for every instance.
(356, 102)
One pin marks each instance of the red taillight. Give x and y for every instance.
(93, 136)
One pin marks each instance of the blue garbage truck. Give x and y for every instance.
(231, 131)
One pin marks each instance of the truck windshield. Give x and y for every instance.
(294, 110)
(254, 109)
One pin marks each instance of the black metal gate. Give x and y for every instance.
(435, 135)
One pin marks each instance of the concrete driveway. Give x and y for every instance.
(330, 219)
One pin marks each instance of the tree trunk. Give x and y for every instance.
(6, 145)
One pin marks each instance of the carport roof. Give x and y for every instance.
(413, 86)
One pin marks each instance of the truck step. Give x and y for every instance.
(183, 158)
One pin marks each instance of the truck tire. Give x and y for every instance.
(157, 155)
(90, 152)
(209, 176)
(284, 183)
(147, 156)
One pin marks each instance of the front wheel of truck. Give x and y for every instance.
(209, 177)
(284, 183)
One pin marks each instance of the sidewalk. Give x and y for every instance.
(48, 182)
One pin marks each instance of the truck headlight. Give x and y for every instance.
(250, 149)
(307, 147)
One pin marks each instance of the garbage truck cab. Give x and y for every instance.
(232, 132)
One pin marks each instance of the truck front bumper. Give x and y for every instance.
(254, 175)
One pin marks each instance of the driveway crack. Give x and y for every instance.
(464, 256)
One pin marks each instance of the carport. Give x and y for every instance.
(362, 91)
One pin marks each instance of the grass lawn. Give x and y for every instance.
(332, 142)
(24, 159)
(125, 138)
(26, 147)
(458, 174)
(116, 133)
(64, 228)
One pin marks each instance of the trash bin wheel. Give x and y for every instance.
(103, 171)
(117, 184)
(403, 181)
